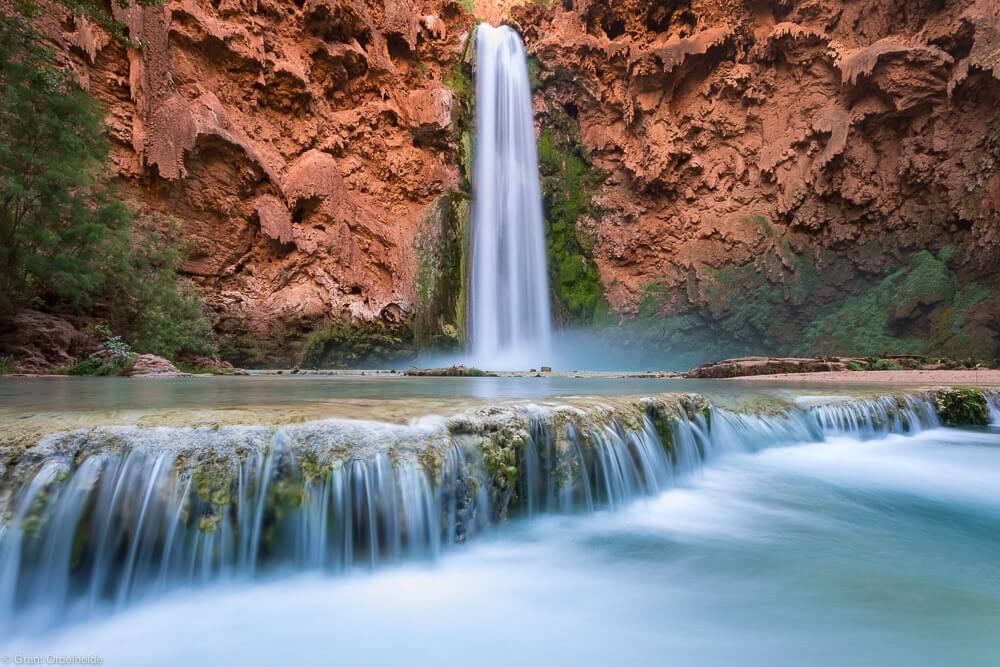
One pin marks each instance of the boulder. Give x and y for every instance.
(150, 365)
(39, 342)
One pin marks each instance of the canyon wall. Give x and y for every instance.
(299, 145)
(720, 175)
(809, 175)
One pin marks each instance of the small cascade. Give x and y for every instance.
(97, 520)
(509, 315)
(993, 403)
(873, 418)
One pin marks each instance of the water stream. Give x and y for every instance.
(509, 319)
(840, 531)
(104, 518)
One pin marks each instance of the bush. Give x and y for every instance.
(155, 309)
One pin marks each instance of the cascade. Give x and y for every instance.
(509, 316)
(101, 518)
(993, 403)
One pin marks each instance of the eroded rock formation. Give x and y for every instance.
(299, 145)
(766, 161)
(785, 175)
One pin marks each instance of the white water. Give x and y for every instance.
(843, 552)
(510, 324)
(107, 519)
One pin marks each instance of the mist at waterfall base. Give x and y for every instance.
(582, 349)
(848, 551)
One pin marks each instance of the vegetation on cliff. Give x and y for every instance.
(781, 302)
(442, 242)
(69, 243)
(569, 182)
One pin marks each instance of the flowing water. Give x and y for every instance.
(509, 319)
(836, 532)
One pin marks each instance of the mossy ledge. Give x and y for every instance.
(442, 243)
(503, 448)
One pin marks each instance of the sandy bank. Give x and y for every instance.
(928, 379)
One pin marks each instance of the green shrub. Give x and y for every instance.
(885, 365)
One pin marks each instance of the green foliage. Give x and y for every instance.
(920, 308)
(962, 406)
(158, 311)
(569, 182)
(66, 242)
(763, 224)
(96, 366)
(654, 298)
(534, 73)
(116, 348)
(95, 10)
(867, 323)
(112, 358)
(884, 365)
(6, 364)
(57, 218)
(460, 82)
(343, 345)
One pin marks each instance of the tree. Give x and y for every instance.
(67, 243)
(57, 216)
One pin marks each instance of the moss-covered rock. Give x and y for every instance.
(962, 406)
(442, 269)
(792, 301)
(569, 183)
(355, 345)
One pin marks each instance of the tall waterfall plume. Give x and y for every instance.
(509, 319)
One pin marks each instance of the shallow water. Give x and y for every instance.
(107, 394)
(70, 394)
(876, 552)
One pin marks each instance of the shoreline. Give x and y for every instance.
(985, 377)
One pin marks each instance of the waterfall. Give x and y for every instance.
(509, 319)
(99, 519)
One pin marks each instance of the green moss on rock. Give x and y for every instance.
(441, 245)
(354, 345)
(569, 182)
(962, 406)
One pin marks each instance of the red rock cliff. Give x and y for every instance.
(762, 160)
(299, 144)
(767, 157)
